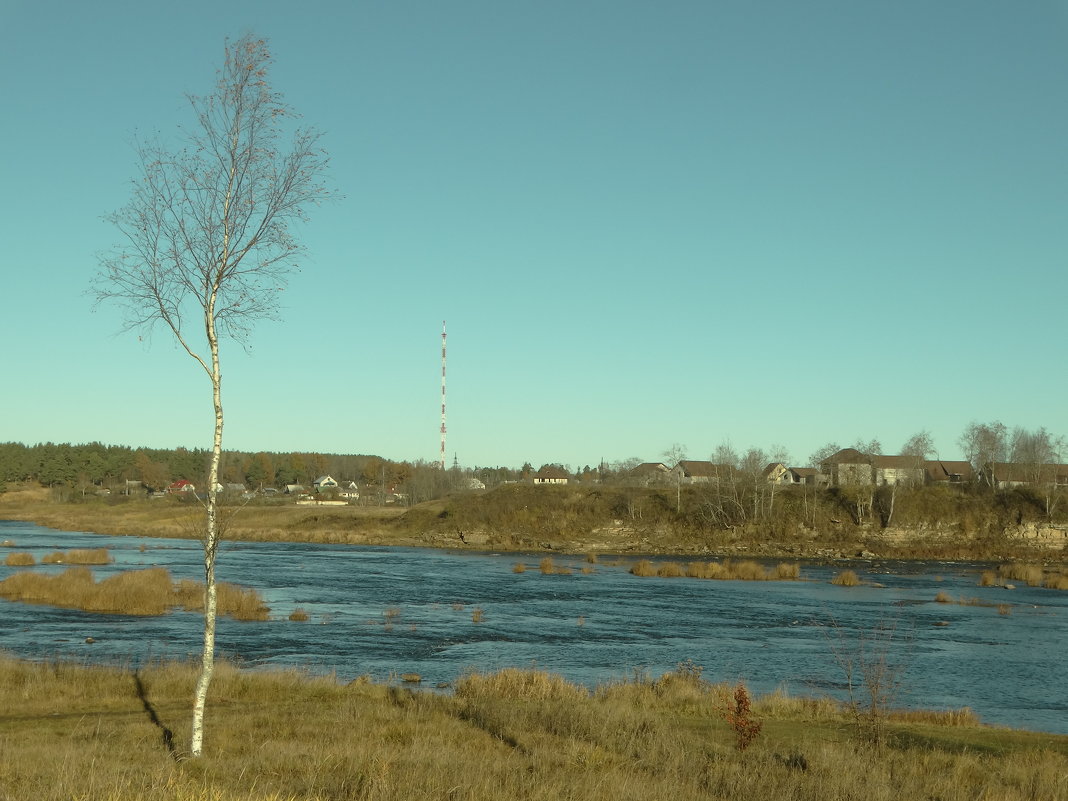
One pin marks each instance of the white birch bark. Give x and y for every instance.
(207, 238)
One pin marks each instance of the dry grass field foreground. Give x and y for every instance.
(104, 734)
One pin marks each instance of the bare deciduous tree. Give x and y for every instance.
(672, 456)
(821, 455)
(984, 444)
(207, 244)
(1037, 455)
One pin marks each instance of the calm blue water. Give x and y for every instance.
(1011, 669)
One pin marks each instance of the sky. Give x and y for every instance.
(756, 222)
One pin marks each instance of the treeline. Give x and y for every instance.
(86, 469)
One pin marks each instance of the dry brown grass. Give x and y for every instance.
(549, 567)
(298, 615)
(132, 592)
(19, 559)
(745, 570)
(84, 734)
(643, 567)
(846, 578)
(591, 558)
(963, 717)
(943, 597)
(78, 556)
(1056, 581)
(519, 685)
(477, 615)
(519, 567)
(670, 570)
(1032, 575)
(161, 518)
(787, 571)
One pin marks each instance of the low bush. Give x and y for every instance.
(643, 567)
(846, 578)
(19, 559)
(739, 716)
(298, 615)
(787, 571)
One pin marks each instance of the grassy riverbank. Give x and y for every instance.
(73, 733)
(524, 518)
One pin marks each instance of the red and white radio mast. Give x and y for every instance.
(442, 394)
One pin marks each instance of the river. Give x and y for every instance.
(387, 611)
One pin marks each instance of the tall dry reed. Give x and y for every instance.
(846, 578)
(19, 559)
(1032, 575)
(1057, 581)
(145, 592)
(670, 570)
(78, 556)
(727, 570)
(643, 567)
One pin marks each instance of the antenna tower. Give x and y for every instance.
(442, 394)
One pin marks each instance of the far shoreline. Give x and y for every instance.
(388, 526)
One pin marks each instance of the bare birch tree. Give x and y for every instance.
(985, 444)
(206, 245)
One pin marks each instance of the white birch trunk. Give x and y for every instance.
(211, 541)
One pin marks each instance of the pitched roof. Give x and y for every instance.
(649, 467)
(847, 456)
(939, 470)
(699, 469)
(898, 462)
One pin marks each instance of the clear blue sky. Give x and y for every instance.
(768, 222)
